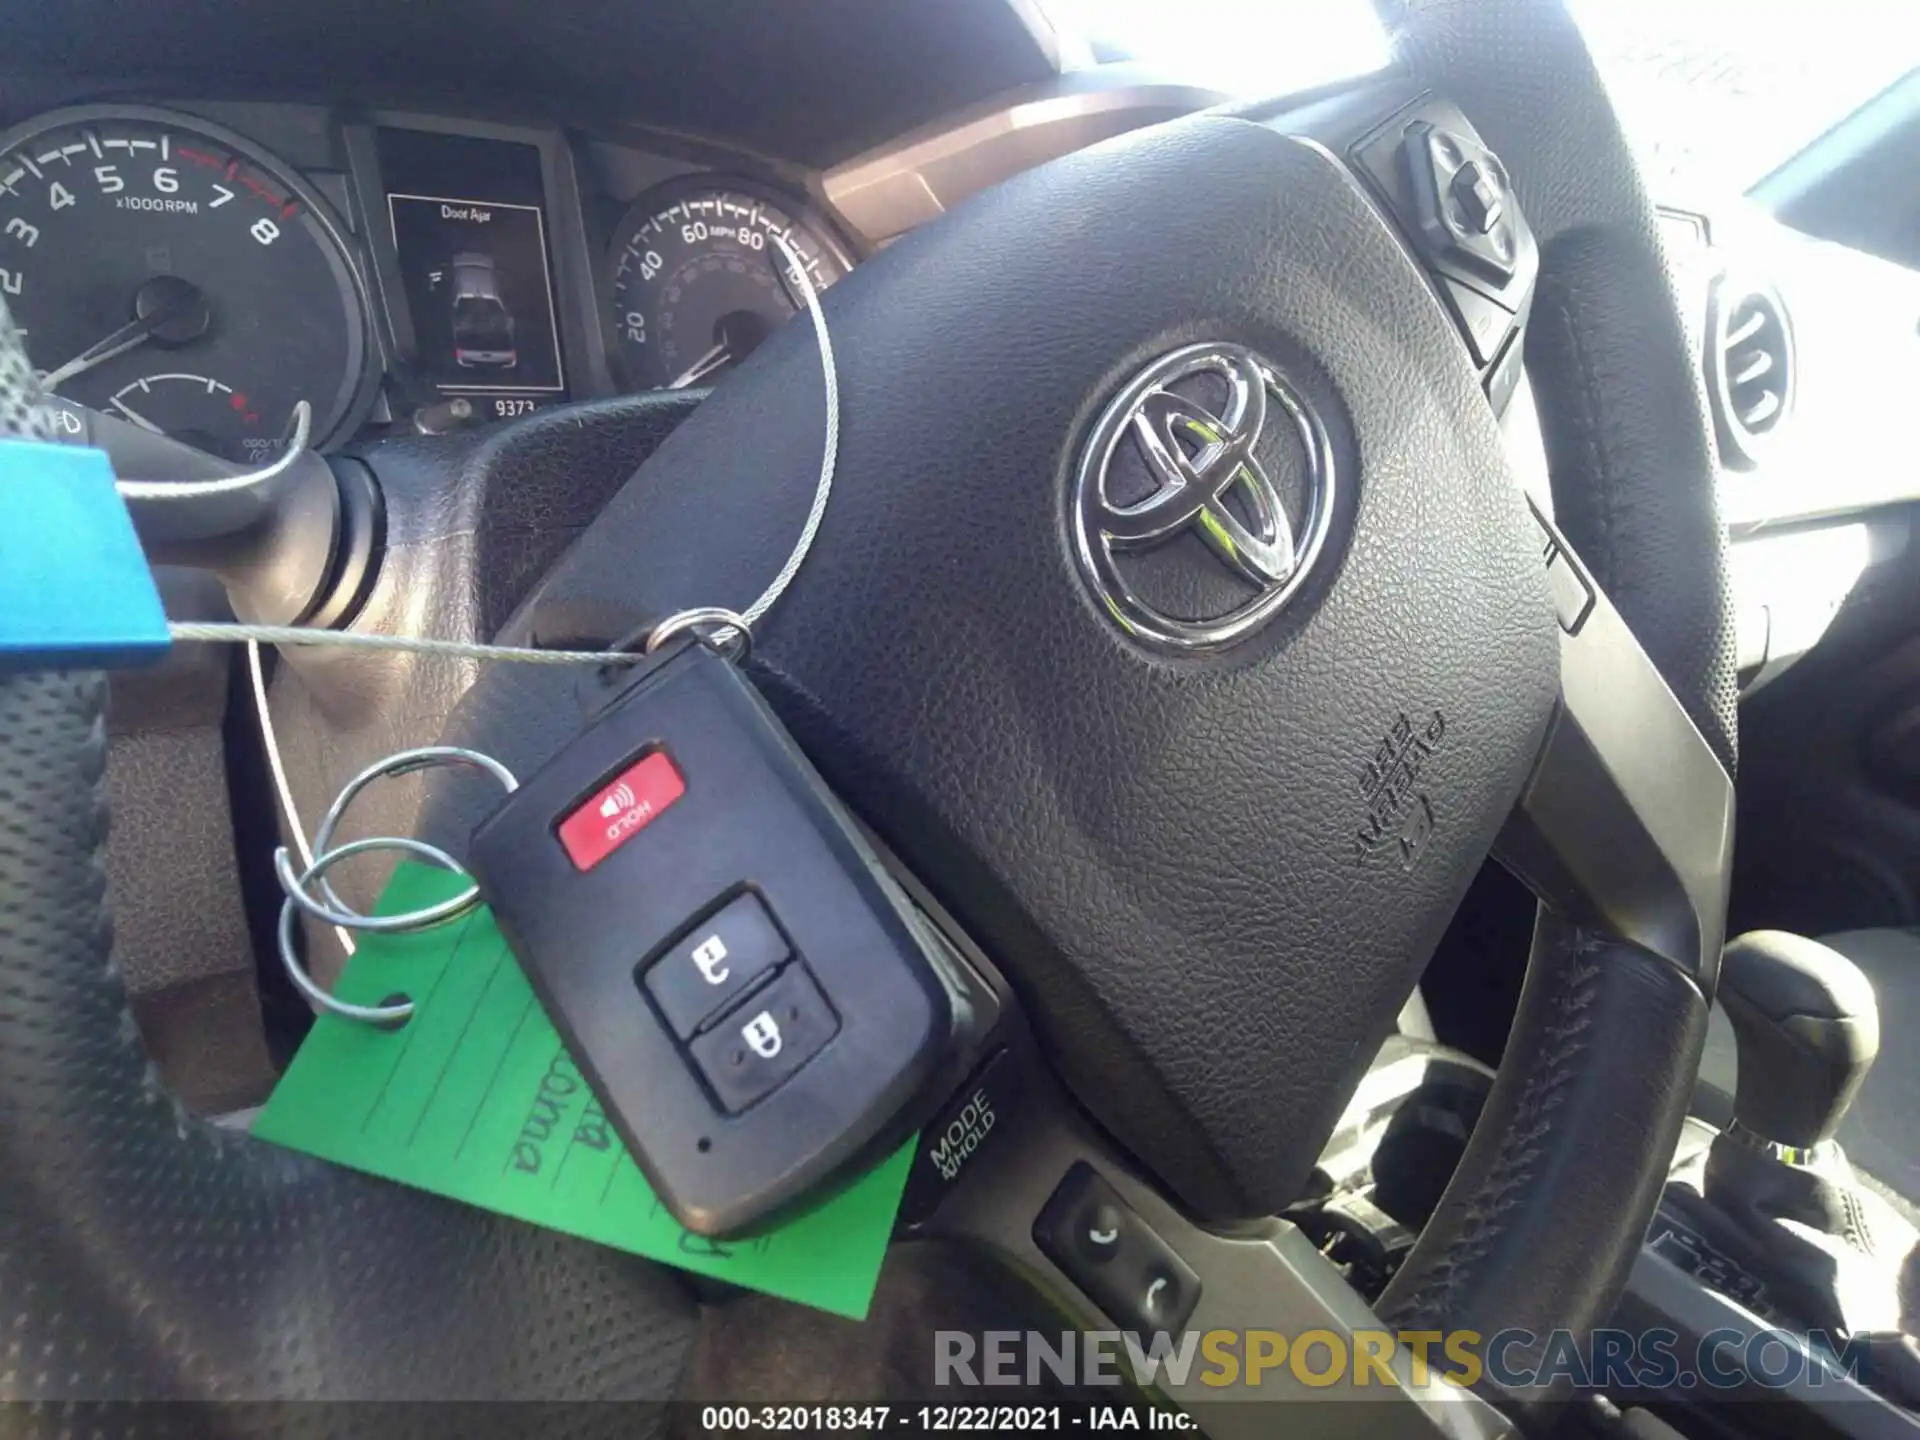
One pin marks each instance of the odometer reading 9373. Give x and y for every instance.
(698, 281)
(171, 274)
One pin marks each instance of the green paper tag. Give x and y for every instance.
(475, 1098)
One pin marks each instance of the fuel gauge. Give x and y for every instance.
(203, 412)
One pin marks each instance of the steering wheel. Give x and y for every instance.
(1177, 852)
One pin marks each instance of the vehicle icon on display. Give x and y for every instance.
(482, 324)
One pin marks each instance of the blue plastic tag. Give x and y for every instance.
(76, 591)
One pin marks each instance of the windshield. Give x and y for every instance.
(1714, 94)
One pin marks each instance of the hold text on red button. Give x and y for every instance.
(621, 809)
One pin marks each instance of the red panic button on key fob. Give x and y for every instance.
(620, 809)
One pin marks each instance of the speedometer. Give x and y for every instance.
(170, 273)
(698, 282)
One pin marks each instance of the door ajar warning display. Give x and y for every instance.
(752, 998)
(468, 216)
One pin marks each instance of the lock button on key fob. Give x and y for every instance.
(779, 1028)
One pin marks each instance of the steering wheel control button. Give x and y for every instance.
(1504, 378)
(719, 958)
(1455, 200)
(620, 809)
(1100, 1239)
(754, 1001)
(1106, 1249)
(1479, 197)
(974, 1120)
(1466, 209)
(754, 1050)
(1486, 323)
(1572, 591)
(1163, 1298)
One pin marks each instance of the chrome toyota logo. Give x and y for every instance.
(1203, 499)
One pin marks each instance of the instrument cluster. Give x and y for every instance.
(200, 270)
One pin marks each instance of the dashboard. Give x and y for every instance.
(213, 234)
(200, 267)
(1811, 358)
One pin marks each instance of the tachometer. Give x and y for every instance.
(698, 282)
(171, 273)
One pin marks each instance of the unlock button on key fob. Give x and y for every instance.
(721, 957)
(750, 1052)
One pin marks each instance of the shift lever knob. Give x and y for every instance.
(1807, 1029)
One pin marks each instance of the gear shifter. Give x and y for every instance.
(1808, 1030)
(1832, 1253)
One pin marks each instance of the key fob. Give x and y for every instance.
(746, 989)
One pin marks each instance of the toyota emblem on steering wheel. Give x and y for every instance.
(1209, 455)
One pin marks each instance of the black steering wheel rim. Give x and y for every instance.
(1622, 410)
(193, 1263)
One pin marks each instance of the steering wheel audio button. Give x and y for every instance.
(1105, 1247)
(1479, 195)
(1572, 591)
(1162, 1297)
(1455, 198)
(1101, 1233)
(1485, 323)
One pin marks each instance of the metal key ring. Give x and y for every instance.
(295, 883)
(732, 635)
(328, 907)
(406, 762)
(298, 900)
